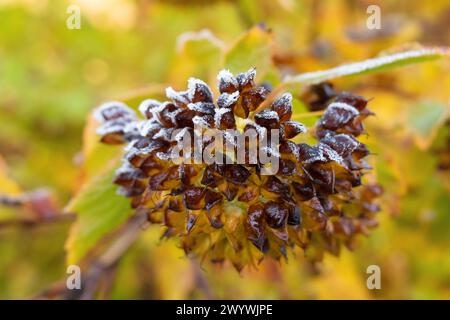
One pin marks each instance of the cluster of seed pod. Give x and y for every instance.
(230, 211)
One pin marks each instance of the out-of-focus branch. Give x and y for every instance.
(101, 269)
(40, 208)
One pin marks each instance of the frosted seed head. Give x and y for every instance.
(218, 116)
(114, 110)
(199, 91)
(148, 128)
(180, 98)
(164, 134)
(354, 100)
(147, 105)
(268, 119)
(309, 154)
(337, 115)
(202, 108)
(228, 100)
(201, 122)
(283, 107)
(343, 144)
(246, 80)
(292, 129)
(252, 98)
(329, 153)
(163, 156)
(180, 134)
(227, 82)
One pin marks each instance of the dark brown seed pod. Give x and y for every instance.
(319, 95)
(268, 119)
(194, 198)
(237, 174)
(255, 226)
(227, 82)
(212, 198)
(355, 101)
(292, 129)
(221, 210)
(254, 97)
(275, 214)
(283, 107)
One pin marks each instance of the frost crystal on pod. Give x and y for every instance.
(149, 127)
(218, 116)
(202, 107)
(147, 105)
(246, 79)
(226, 81)
(114, 110)
(227, 100)
(177, 96)
(337, 114)
(342, 143)
(201, 122)
(199, 91)
(329, 153)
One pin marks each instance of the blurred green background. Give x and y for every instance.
(51, 77)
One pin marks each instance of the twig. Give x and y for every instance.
(101, 268)
(26, 222)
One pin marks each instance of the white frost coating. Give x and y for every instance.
(163, 156)
(199, 107)
(228, 99)
(109, 128)
(319, 157)
(192, 84)
(148, 104)
(362, 66)
(164, 134)
(145, 127)
(268, 114)
(271, 151)
(348, 143)
(218, 116)
(130, 128)
(329, 153)
(230, 137)
(286, 98)
(156, 111)
(180, 135)
(126, 167)
(176, 95)
(204, 34)
(130, 145)
(98, 112)
(300, 127)
(345, 106)
(227, 77)
(262, 132)
(201, 122)
(247, 77)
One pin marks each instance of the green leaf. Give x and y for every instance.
(423, 119)
(100, 210)
(252, 49)
(371, 65)
(198, 56)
